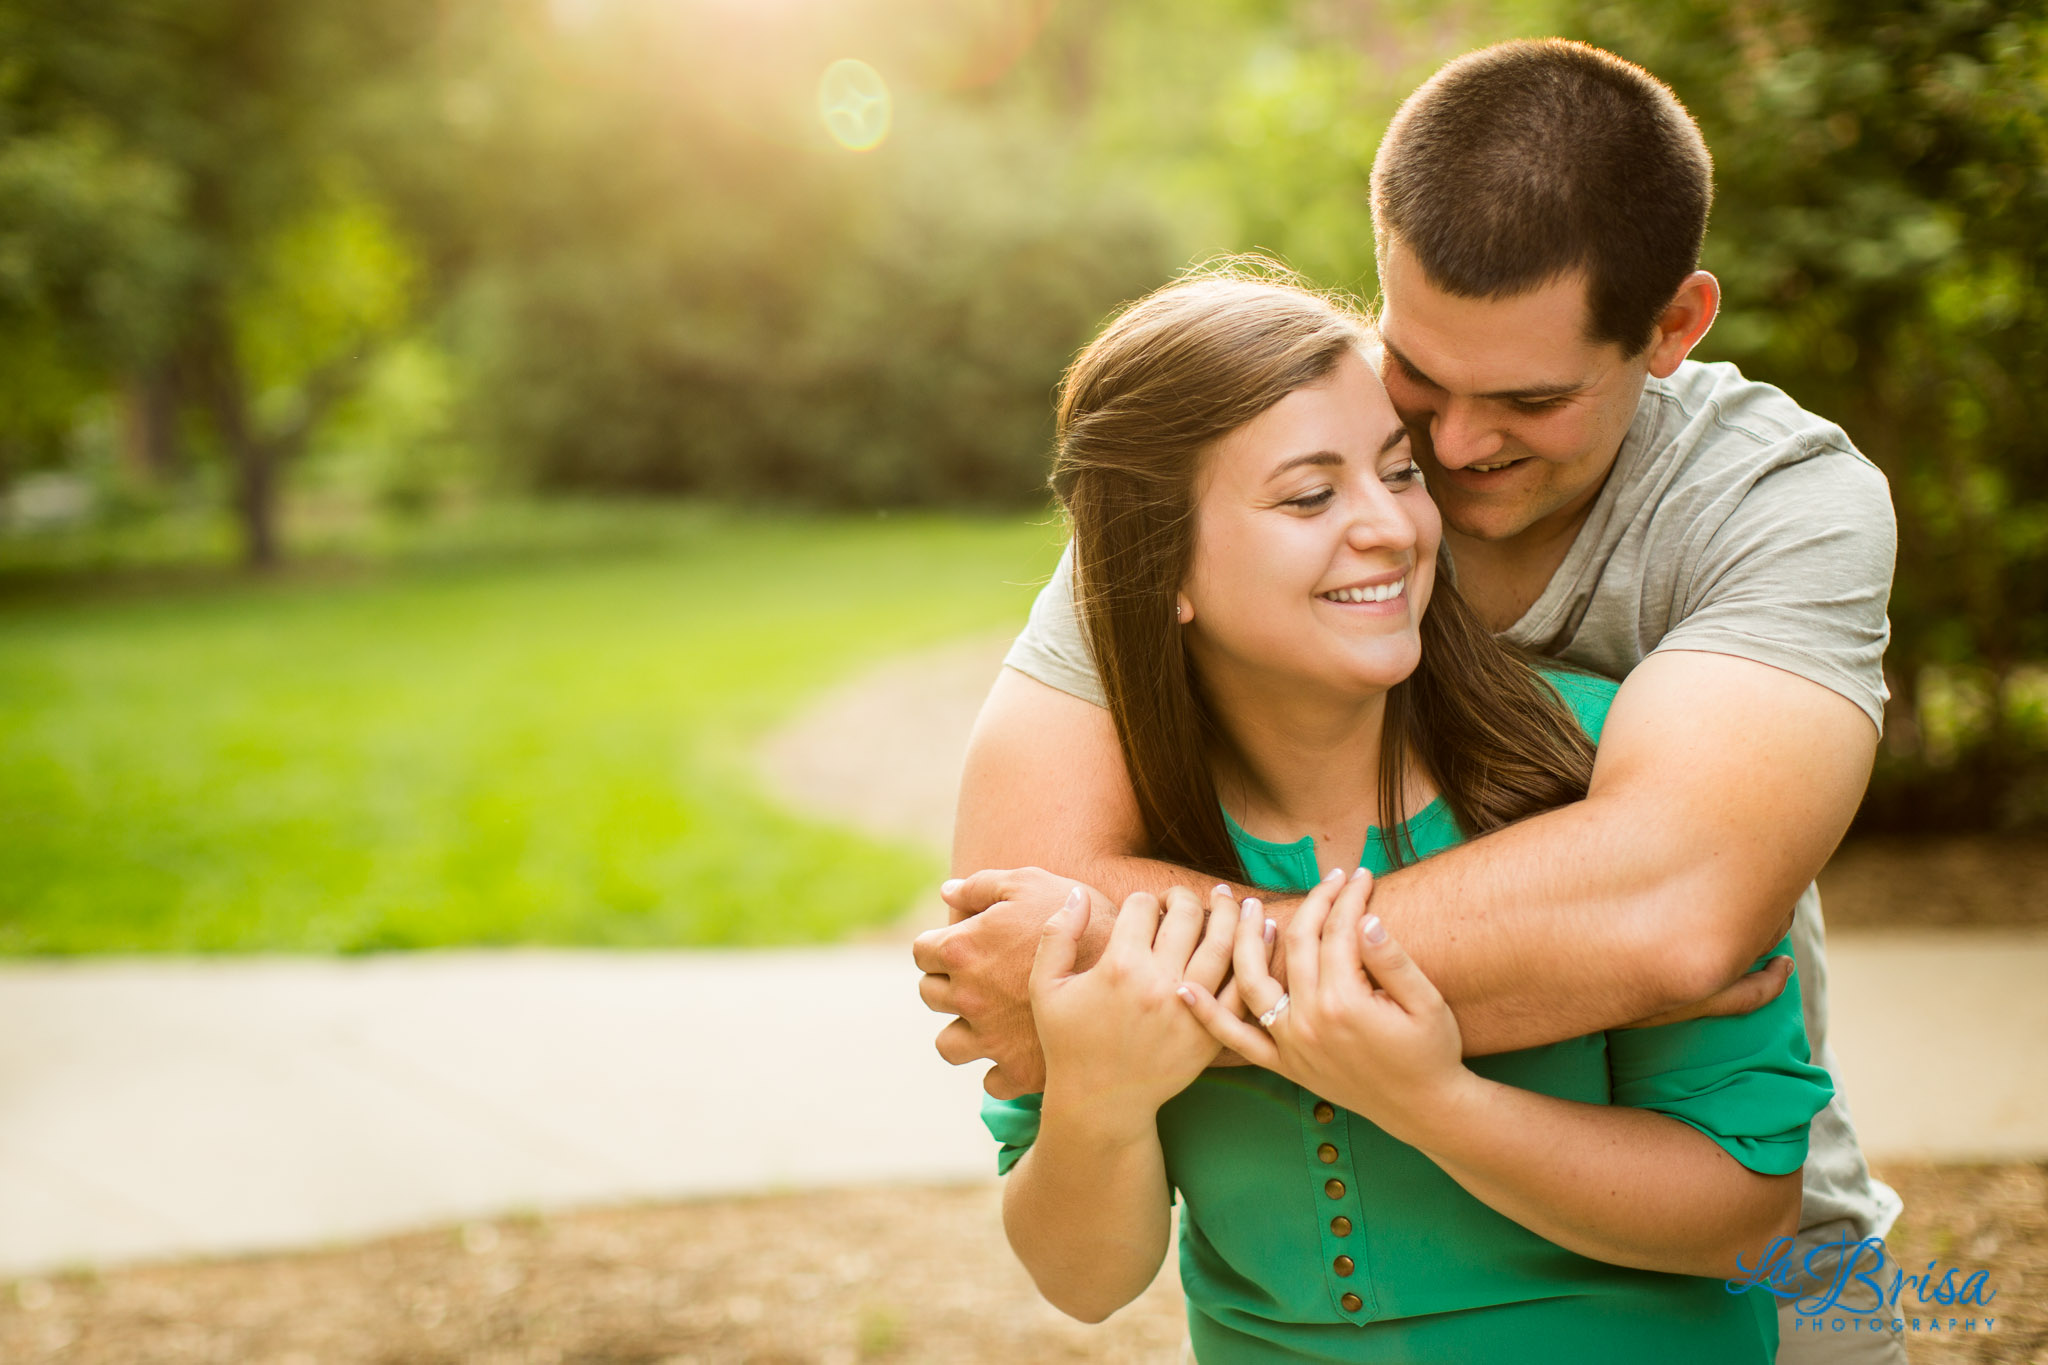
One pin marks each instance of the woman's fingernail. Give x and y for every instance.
(1252, 904)
(1333, 874)
(1184, 993)
(1374, 931)
(1248, 909)
(1074, 899)
(1356, 873)
(1222, 889)
(949, 887)
(1271, 928)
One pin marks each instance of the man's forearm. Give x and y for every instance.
(1549, 929)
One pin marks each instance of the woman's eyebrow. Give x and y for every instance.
(1394, 438)
(1320, 457)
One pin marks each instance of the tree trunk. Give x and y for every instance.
(149, 429)
(256, 503)
(255, 460)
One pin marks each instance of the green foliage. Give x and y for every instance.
(182, 202)
(692, 289)
(523, 742)
(1882, 178)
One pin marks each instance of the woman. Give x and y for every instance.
(1256, 565)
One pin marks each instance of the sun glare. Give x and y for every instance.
(853, 101)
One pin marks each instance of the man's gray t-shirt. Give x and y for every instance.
(1734, 522)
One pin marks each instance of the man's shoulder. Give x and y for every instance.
(1715, 404)
(1722, 438)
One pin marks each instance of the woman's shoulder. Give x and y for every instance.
(1587, 695)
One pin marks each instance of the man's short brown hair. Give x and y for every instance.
(1524, 161)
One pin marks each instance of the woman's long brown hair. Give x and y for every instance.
(1170, 376)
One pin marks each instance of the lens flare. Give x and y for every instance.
(853, 100)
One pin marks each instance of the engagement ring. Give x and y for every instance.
(1266, 1019)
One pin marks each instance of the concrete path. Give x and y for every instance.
(155, 1108)
(152, 1109)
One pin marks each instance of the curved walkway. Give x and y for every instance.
(156, 1108)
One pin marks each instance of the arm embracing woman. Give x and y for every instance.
(1086, 1208)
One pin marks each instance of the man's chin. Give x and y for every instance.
(1478, 519)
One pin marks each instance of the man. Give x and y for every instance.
(1538, 210)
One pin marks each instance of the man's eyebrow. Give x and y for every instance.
(1532, 393)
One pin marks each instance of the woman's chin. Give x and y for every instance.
(1382, 669)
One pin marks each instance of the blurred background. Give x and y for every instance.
(439, 439)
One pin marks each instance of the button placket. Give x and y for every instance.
(1340, 1213)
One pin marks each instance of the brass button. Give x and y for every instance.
(1342, 1265)
(1324, 1113)
(1341, 1225)
(1327, 1152)
(1352, 1303)
(1334, 1188)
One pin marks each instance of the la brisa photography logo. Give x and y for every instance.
(1856, 1286)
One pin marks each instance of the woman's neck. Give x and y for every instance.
(1297, 760)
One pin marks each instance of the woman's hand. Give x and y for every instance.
(1116, 1037)
(1384, 1046)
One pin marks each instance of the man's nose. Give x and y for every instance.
(1460, 435)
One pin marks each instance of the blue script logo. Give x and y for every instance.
(1832, 1274)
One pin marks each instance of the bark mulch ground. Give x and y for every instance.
(910, 1276)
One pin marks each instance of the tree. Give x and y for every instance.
(200, 217)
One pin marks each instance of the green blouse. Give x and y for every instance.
(1309, 1234)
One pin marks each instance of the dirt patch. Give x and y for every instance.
(1962, 881)
(910, 1276)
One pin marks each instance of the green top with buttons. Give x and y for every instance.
(1309, 1234)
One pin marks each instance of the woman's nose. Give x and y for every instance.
(1381, 522)
(1459, 434)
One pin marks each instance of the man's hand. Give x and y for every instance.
(1749, 992)
(979, 967)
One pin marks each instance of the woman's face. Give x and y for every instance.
(1313, 504)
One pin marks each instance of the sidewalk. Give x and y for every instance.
(175, 1107)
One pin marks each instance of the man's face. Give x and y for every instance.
(1516, 416)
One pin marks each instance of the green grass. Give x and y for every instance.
(485, 747)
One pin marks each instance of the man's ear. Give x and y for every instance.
(1684, 321)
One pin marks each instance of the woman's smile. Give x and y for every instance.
(1381, 598)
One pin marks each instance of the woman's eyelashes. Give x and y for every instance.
(1399, 478)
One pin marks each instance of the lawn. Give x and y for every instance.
(487, 746)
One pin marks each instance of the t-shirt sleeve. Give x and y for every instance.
(1052, 647)
(1797, 577)
(1747, 1081)
(1014, 1124)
